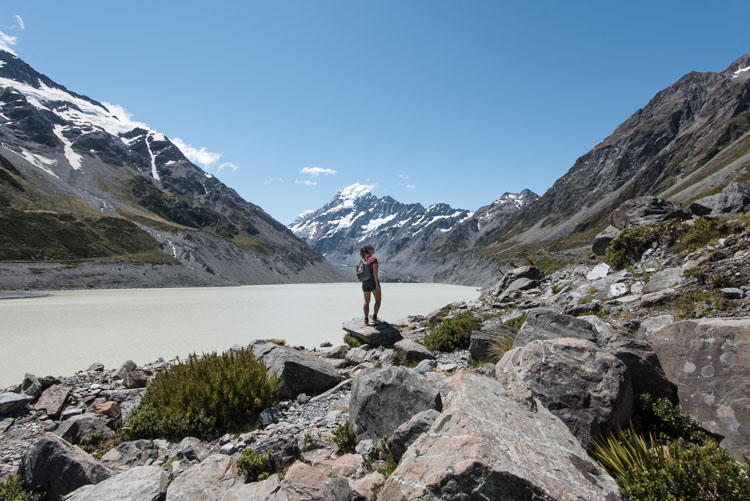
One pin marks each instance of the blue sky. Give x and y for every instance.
(430, 101)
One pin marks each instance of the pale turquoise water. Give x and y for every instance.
(69, 330)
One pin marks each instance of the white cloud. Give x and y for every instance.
(306, 182)
(410, 186)
(403, 176)
(7, 41)
(200, 155)
(226, 165)
(316, 171)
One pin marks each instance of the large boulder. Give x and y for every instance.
(641, 211)
(543, 323)
(603, 239)
(490, 334)
(53, 399)
(306, 483)
(133, 453)
(586, 387)
(142, 483)
(709, 360)
(31, 386)
(207, 481)
(409, 431)
(646, 373)
(267, 490)
(373, 334)
(84, 426)
(487, 445)
(299, 372)
(284, 447)
(407, 351)
(733, 199)
(528, 272)
(10, 402)
(58, 467)
(382, 400)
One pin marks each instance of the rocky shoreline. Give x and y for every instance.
(556, 363)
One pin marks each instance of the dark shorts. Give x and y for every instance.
(369, 285)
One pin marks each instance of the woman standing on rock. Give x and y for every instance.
(372, 284)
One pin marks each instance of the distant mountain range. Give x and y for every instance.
(404, 234)
(80, 183)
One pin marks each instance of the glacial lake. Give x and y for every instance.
(67, 331)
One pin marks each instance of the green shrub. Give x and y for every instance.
(204, 395)
(352, 341)
(630, 244)
(387, 455)
(344, 437)
(453, 334)
(255, 465)
(12, 489)
(668, 421)
(516, 323)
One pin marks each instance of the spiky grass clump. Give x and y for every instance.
(344, 437)
(501, 344)
(203, 395)
(453, 334)
(12, 489)
(255, 465)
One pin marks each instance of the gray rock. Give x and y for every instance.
(408, 432)
(207, 481)
(267, 490)
(59, 467)
(664, 279)
(519, 284)
(586, 387)
(135, 379)
(704, 206)
(709, 360)
(733, 199)
(31, 386)
(306, 483)
(356, 355)
(543, 323)
(425, 366)
(407, 351)
(366, 448)
(732, 293)
(95, 367)
(299, 372)
(382, 400)
(530, 272)
(487, 445)
(601, 270)
(491, 334)
(603, 239)
(583, 308)
(142, 483)
(375, 334)
(69, 412)
(652, 324)
(646, 373)
(126, 367)
(133, 453)
(657, 297)
(11, 403)
(268, 416)
(53, 399)
(646, 210)
(83, 426)
(618, 289)
(284, 446)
(5, 424)
(228, 449)
(604, 331)
(189, 449)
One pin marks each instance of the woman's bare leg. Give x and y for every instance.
(366, 306)
(376, 308)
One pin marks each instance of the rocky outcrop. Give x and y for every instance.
(409, 431)
(407, 351)
(84, 426)
(603, 239)
(531, 273)
(709, 360)
(586, 387)
(57, 467)
(374, 334)
(487, 445)
(646, 373)
(207, 481)
(382, 400)
(733, 199)
(645, 210)
(544, 323)
(299, 372)
(306, 483)
(142, 483)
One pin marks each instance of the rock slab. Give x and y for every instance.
(709, 360)
(543, 323)
(142, 483)
(53, 399)
(207, 481)
(487, 445)
(382, 400)
(13, 402)
(299, 372)
(374, 334)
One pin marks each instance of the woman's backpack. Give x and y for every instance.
(363, 271)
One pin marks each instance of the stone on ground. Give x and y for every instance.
(382, 400)
(603, 239)
(486, 445)
(601, 270)
(586, 387)
(11, 403)
(548, 324)
(31, 386)
(709, 360)
(374, 334)
(207, 481)
(407, 351)
(59, 467)
(409, 431)
(306, 483)
(53, 399)
(84, 426)
(664, 279)
(267, 490)
(482, 341)
(299, 372)
(530, 272)
(142, 483)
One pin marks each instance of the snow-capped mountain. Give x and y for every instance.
(67, 158)
(400, 232)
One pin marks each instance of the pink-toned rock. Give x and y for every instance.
(306, 483)
(368, 485)
(111, 409)
(53, 399)
(348, 465)
(488, 445)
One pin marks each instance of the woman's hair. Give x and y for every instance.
(367, 250)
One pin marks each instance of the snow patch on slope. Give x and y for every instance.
(74, 159)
